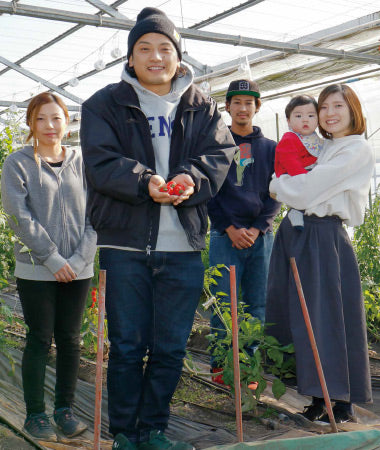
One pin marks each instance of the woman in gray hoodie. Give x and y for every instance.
(44, 194)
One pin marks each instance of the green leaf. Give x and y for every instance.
(274, 370)
(288, 348)
(248, 401)
(278, 388)
(260, 388)
(271, 340)
(7, 314)
(289, 375)
(14, 218)
(276, 355)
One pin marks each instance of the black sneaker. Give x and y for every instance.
(68, 423)
(38, 426)
(158, 441)
(122, 443)
(314, 411)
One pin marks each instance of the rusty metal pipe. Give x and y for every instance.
(99, 359)
(313, 344)
(235, 347)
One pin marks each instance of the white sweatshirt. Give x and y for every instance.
(337, 185)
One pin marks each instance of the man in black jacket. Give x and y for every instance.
(242, 212)
(152, 127)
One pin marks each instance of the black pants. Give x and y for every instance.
(51, 308)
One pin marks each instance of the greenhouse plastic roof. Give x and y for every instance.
(288, 46)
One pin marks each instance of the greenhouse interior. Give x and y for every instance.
(76, 47)
(289, 47)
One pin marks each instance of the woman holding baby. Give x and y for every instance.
(333, 193)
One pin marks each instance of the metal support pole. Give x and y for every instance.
(99, 359)
(277, 128)
(313, 344)
(235, 347)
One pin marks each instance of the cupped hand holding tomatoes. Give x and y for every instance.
(172, 188)
(187, 182)
(156, 183)
(175, 191)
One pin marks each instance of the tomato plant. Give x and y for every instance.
(367, 245)
(270, 356)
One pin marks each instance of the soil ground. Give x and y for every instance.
(202, 401)
(9, 440)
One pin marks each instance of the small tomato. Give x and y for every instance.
(178, 189)
(171, 186)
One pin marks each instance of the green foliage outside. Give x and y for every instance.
(270, 356)
(367, 246)
(6, 235)
(279, 217)
(6, 252)
(204, 254)
(7, 319)
(90, 318)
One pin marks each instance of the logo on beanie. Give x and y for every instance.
(176, 35)
(243, 86)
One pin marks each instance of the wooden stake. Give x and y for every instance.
(99, 359)
(313, 343)
(235, 347)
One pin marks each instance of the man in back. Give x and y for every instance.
(242, 212)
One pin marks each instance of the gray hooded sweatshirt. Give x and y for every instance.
(160, 112)
(47, 211)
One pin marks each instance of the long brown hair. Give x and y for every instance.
(357, 125)
(33, 110)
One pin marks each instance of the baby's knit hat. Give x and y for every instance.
(152, 20)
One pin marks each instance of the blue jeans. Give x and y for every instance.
(251, 265)
(150, 304)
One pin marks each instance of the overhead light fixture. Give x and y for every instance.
(74, 81)
(99, 64)
(205, 87)
(116, 53)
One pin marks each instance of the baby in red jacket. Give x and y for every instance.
(299, 148)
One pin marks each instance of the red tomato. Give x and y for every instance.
(171, 186)
(178, 189)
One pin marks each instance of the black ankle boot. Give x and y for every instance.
(343, 412)
(315, 410)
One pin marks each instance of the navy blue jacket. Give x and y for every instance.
(243, 200)
(119, 160)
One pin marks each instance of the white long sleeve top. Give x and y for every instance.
(337, 185)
